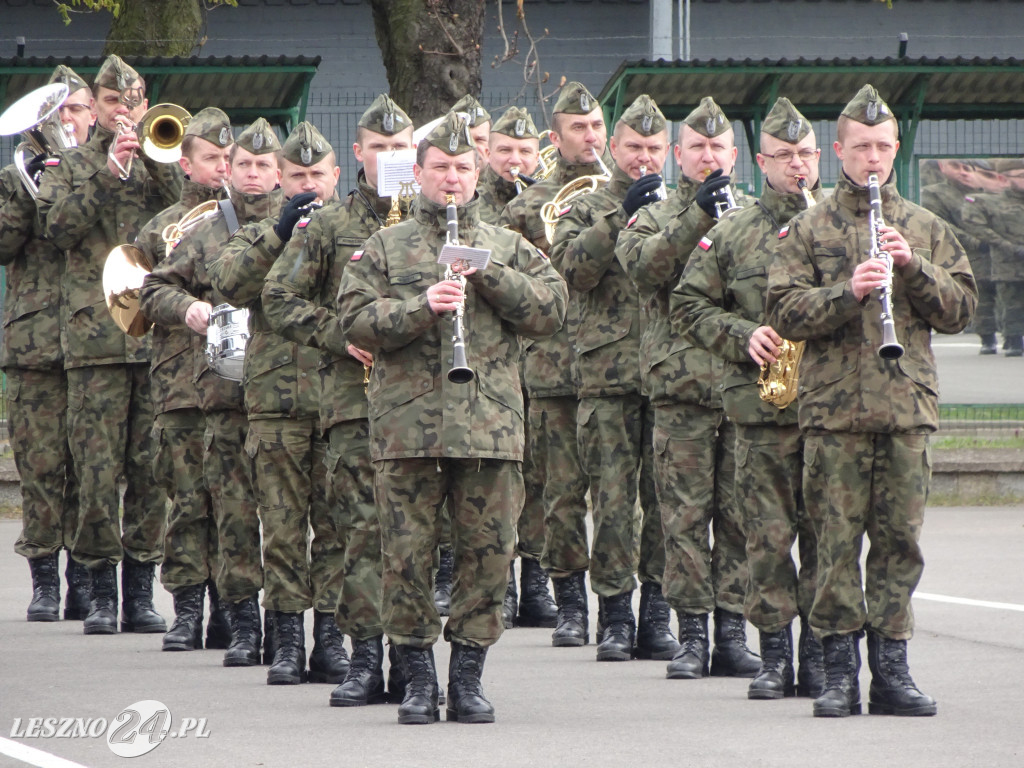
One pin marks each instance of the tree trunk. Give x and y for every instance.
(155, 28)
(431, 51)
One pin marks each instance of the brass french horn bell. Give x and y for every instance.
(125, 269)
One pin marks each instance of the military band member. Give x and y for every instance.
(867, 419)
(479, 121)
(692, 441)
(33, 364)
(719, 303)
(514, 151)
(285, 441)
(432, 439)
(614, 420)
(300, 302)
(89, 209)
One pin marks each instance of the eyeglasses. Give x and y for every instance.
(75, 109)
(784, 155)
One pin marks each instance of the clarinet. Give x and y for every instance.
(891, 349)
(460, 372)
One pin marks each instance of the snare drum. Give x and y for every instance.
(226, 336)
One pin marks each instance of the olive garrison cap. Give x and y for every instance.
(517, 123)
(575, 99)
(68, 76)
(451, 136)
(117, 75)
(708, 119)
(643, 116)
(867, 107)
(1004, 164)
(473, 109)
(785, 122)
(258, 138)
(385, 117)
(306, 145)
(210, 124)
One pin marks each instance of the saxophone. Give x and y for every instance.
(777, 383)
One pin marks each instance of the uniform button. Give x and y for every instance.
(450, 449)
(450, 407)
(426, 385)
(121, 225)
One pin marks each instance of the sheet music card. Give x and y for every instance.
(473, 257)
(394, 174)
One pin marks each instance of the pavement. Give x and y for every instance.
(555, 706)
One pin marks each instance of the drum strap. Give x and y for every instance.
(230, 217)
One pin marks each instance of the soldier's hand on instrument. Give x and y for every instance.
(126, 145)
(361, 355)
(34, 167)
(641, 192)
(444, 296)
(291, 212)
(712, 192)
(895, 245)
(764, 345)
(197, 316)
(867, 276)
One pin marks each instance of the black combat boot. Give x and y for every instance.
(536, 606)
(654, 638)
(467, 703)
(1013, 346)
(731, 656)
(775, 678)
(396, 676)
(269, 639)
(573, 628)
(419, 705)
(76, 599)
(186, 632)
(102, 618)
(289, 667)
(510, 606)
(893, 691)
(443, 580)
(841, 697)
(364, 683)
(137, 611)
(328, 661)
(244, 649)
(691, 660)
(616, 628)
(45, 605)
(218, 627)
(810, 676)
(989, 345)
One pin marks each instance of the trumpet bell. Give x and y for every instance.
(123, 272)
(161, 131)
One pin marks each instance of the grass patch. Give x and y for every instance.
(959, 442)
(10, 512)
(974, 500)
(951, 413)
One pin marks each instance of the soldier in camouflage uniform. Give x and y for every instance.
(513, 143)
(190, 541)
(432, 439)
(479, 121)
(88, 210)
(178, 295)
(614, 420)
(37, 386)
(719, 303)
(947, 198)
(285, 441)
(866, 420)
(998, 219)
(555, 479)
(300, 302)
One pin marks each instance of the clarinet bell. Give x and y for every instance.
(460, 372)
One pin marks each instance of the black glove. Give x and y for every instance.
(291, 212)
(641, 192)
(712, 192)
(527, 180)
(34, 168)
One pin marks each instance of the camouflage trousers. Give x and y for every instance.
(37, 405)
(984, 321)
(530, 525)
(694, 451)
(288, 458)
(110, 421)
(551, 433)
(614, 435)
(350, 494)
(190, 540)
(769, 478)
(238, 570)
(1010, 307)
(874, 484)
(484, 497)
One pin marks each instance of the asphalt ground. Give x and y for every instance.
(555, 707)
(965, 377)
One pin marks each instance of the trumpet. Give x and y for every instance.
(728, 207)
(160, 131)
(37, 115)
(520, 184)
(890, 349)
(662, 190)
(460, 372)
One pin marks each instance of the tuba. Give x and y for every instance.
(37, 115)
(582, 185)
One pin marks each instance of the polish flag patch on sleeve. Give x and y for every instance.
(356, 256)
(52, 162)
(783, 232)
(632, 220)
(705, 243)
(565, 210)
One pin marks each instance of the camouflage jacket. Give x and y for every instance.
(414, 409)
(549, 365)
(947, 200)
(171, 288)
(844, 385)
(279, 377)
(88, 211)
(171, 367)
(719, 302)
(494, 193)
(300, 297)
(31, 335)
(999, 220)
